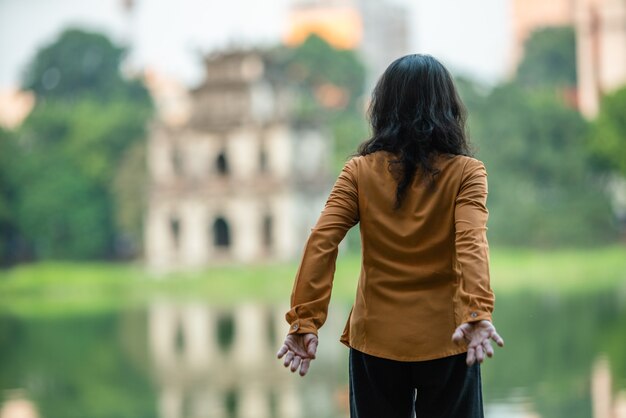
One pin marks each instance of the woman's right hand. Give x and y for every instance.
(477, 336)
(298, 350)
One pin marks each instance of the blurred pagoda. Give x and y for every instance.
(234, 176)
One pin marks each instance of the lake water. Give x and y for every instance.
(565, 357)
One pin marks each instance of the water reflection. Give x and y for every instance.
(212, 362)
(564, 358)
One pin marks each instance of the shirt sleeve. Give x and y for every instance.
(475, 299)
(313, 283)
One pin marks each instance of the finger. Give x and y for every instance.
(460, 332)
(288, 358)
(304, 366)
(497, 338)
(312, 348)
(295, 363)
(471, 356)
(480, 354)
(488, 348)
(283, 350)
(486, 324)
(475, 342)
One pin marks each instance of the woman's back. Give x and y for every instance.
(408, 301)
(415, 242)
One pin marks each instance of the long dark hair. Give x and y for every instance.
(416, 113)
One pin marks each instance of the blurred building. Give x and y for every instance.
(385, 37)
(530, 15)
(600, 41)
(236, 179)
(18, 406)
(15, 106)
(378, 29)
(601, 50)
(171, 98)
(338, 22)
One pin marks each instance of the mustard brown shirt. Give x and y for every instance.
(425, 266)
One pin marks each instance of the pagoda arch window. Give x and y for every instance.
(221, 164)
(221, 233)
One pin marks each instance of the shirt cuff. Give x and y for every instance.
(475, 316)
(302, 326)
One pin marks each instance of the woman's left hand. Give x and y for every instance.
(299, 350)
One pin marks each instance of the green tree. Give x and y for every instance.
(8, 233)
(315, 62)
(130, 195)
(72, 145)
(330, 86)
(608, 134)
(543, 188)
(69, 161)
(549, 58)
(81, 63)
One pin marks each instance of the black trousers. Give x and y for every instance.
(441, 388)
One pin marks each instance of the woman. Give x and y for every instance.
(421, 322)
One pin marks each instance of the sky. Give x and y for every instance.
(471, 37)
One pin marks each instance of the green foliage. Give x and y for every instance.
(543, 191)
(6, 143)
(63, 214)
(7, 195)
(64, 167)
(68, 211)
(319, 71)
(6, 146)
(130, 196)
(349, 130)
(608, 134)
(81, 63)
(549, 58)
(544, 187)
(315, 62)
